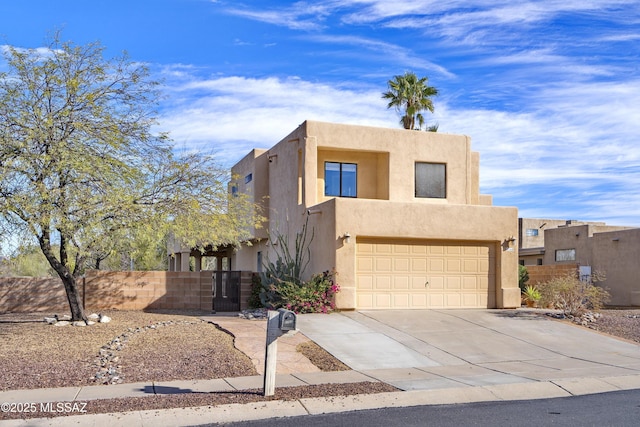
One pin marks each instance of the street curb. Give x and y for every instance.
(325, 405)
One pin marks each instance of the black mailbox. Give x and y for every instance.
(287, 320)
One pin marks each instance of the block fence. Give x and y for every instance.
(544, 273)
(121, 290)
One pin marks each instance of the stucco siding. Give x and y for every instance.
(386, 206)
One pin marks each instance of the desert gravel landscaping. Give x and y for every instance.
(169, 346)
(158, 347)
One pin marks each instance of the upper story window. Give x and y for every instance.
(248, 178)
(431, 180)
(340, 179)
(532, 231)
(565, 255)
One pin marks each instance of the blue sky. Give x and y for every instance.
(549, 90)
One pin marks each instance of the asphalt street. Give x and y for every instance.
(621, 408)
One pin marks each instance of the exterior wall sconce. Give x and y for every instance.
(272, 157)
(346, 237)
(510, 243)
(313, 212)
(616, 239)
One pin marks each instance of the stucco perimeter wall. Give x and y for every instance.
(616, 254)
(29, 294)
(464, 223)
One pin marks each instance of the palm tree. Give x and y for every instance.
(412, 96)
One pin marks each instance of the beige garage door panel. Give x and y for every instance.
(425, 274)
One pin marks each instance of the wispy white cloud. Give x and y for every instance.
(555, 124)
(385, 52)
(232, 115)
(298, 16)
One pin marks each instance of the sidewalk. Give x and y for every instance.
(434, 383)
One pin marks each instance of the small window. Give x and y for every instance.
(539, 261)
(248, 178)
(532, 231)
(430, 180)
(259, 262)
(565, 255)
(234, 190)
(340, 179)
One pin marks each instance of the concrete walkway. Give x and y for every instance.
(437, 357)
(250, 338)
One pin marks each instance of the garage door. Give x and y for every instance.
(424, 274)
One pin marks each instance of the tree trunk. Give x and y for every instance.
(74, 297)
(68, 279)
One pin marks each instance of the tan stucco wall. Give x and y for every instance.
(539, 224)
(386, 205)
(611, 250)
(617, 254)
(405, 149)
(255, 164)
(373, 172)
(464, 223)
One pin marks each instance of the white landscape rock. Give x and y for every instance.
(62, 323)
(79, 323)
(104, 319)
(50, 320)
(93, 316)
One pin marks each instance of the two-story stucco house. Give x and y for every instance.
(396, 213)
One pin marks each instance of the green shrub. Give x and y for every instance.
(281, 283)
(256, 288)
(314, 296)
(531, 293)
(288, 268)
(573, 296)
(523, 277)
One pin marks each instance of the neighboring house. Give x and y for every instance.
(396, 213)
(531, 237)
(594, 246)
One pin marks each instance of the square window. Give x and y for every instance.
(430, 180)
(340, 179)
(532, 231)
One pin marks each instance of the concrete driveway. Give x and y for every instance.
(427, 349)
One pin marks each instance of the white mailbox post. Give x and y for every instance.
(279, 323)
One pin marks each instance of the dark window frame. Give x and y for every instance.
(340, 192)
